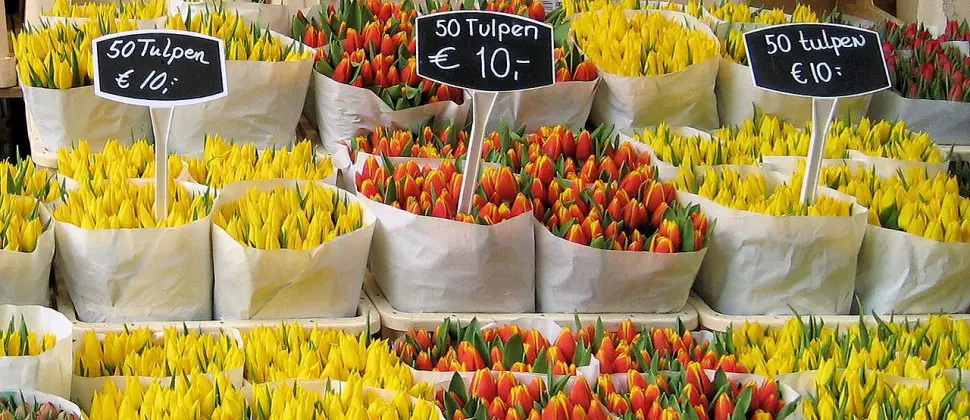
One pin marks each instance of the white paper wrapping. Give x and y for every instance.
(566, 103)
(264, 105)
(549, 329)
(428, 264)
(787, 165)
(277, 17)
(576, 278)
(737, 97)
(324, 282)
(26, 275)
(759, 265)
(83, 389)
(48, 372)
(64, 116)
(122, 275)
(31, 396)
(906, 274)
(345, 111)
(888, 168)
(945, 121)
(682, 98)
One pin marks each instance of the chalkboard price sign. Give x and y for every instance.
(159, 68)
(485, 51)
(819, 60)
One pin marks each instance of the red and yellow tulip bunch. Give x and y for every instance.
(572, 66)
(502, 396)
(435, 192)
(691, 394)
(374, 50)
(427, 141)
(465, 348)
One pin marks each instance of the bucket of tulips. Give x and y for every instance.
(27, 404)
(146, 14)
(739, 99)
(37, 350)
(366, 74)
(212, 396)
(268, 76)
(672, 147)
(107, 360)
(695, 392)
(532, 347)
(55, 72)
(115, 161)
(931, 86)
(121, 262)
(291, 352)
(598, 208)
(891, 145)
(276, 16)
(226, 162)
(338, 399)
(428, 257)
(911, 261)
(288, 249)
(773, 254)
(26, 250)
(425, 144)
(656, 66)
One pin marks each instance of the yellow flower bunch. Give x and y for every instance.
(768, 135)
(697, 150)
(743, 13)
(20, 217)
(857, 393)
(648, 44)
(26, 179)
(138, 9)
(59, 56)
(909, 201)
(190, 397)
(692, 7)
(289, 218)
(122, 204)
(750, 192)
(140, 353)
(115, 161)
(286, 401)
(223, 163)
(896, 349)
(243, 42)
(894, 140)
(293, 352)
(19, 341)
(732, 47)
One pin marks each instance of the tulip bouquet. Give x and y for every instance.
(659, 54)
(191, 396)
(141, 352)
(909, 211)
(115, 161)
(863, 394)
(958, 168)
(23, 224)
(225, 162)
(769, 135)
(744, 13)
(20, 341)
(743, 198)
(135, 10)
(681, 146)
(507, 395)
(243, 42)
(425, 141)
(498, 199)
(18, 407)
(693, 393)
(315, 353)
(23, 178)
(58, 56)
(99, 222)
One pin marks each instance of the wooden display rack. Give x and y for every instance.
(716, 321)
(367, 318)
(395, 323)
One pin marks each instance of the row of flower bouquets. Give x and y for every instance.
(561, 221)
(682, 65)
(529, 368)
